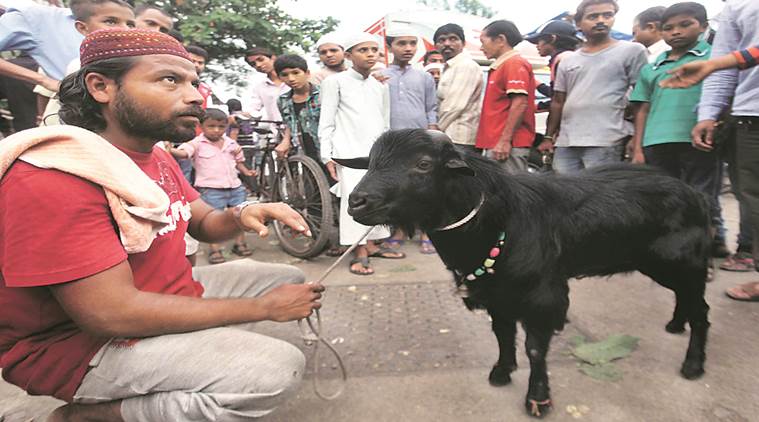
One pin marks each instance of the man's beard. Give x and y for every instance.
(141, 123)
(339, 66)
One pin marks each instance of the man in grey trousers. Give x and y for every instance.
(139, 336)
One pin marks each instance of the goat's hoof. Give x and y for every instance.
(675, 327)
(500, 376)
(538, 408)
(692, 369)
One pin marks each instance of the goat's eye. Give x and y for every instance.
(424, 165)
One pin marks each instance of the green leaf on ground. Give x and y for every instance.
(612, 348)
(576, 340)
(603, 371)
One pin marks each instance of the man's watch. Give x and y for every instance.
(237, 213)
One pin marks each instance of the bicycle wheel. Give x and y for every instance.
(267, 176)
(303, 185)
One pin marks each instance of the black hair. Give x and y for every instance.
(449, 28)
(428, 54)
(651, 15)
(587, 3)
(83, 9)
(389, 40)
(290, 61)
(561, 43)
(233, 104)
(506, 28)
(258, 51)
(78, 107)
(214, 114)
(144, 6)
(198, 51)
(688, 8)
(176, 35)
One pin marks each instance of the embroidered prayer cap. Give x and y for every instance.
(359, 38)
(432, 66)
(331, 38)
(116, 42)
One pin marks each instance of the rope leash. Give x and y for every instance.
(314, 337)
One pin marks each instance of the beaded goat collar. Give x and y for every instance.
(487, 265)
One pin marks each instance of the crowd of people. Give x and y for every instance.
(123, 72)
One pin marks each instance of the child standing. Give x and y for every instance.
(217, 160)
(665, 117)
(355, 111)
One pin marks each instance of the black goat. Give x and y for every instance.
(601, 222)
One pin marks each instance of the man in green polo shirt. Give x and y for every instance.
(665, 117)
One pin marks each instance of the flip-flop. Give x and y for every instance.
(387, 253)
(336, 251)
(364, 261)
(216, 257)
(241, 250)
(740, 262)
(427, 248)
(393, 243)
(748, 292)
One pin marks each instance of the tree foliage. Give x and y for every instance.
(227, 28)
(472, 7)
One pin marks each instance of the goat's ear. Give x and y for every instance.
(460, 166)
(361, 163)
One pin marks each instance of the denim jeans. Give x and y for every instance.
(568, 160)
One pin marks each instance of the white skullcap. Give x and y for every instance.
(359, 38)
(438, 66)
(331, 38)
(401, 31)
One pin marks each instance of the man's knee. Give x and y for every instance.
(286, 366)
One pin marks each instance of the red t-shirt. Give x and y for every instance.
(513, 76)
(56, 228)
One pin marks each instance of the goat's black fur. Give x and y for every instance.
(600, 222)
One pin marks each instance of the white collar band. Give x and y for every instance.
(466, 219)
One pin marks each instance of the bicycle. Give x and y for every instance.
(296, 180)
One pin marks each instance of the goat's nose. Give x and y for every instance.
(358, 200)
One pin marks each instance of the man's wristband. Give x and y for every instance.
(548, 138)
(237, 213)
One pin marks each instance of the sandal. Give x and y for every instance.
(216, 257)
(741, 262)
(336, 251)
(387, 253)
(748, 292)
(427, 248)
(365, 268)
(241, 250)
(391, 243)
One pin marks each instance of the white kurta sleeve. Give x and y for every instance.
(330, 97)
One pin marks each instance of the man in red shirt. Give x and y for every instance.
(135, 337)
(507, 121)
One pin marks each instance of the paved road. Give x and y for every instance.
(415, 354)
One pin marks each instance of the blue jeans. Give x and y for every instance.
(568, 160)
(223, 198)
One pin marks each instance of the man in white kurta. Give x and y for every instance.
(355, 111)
